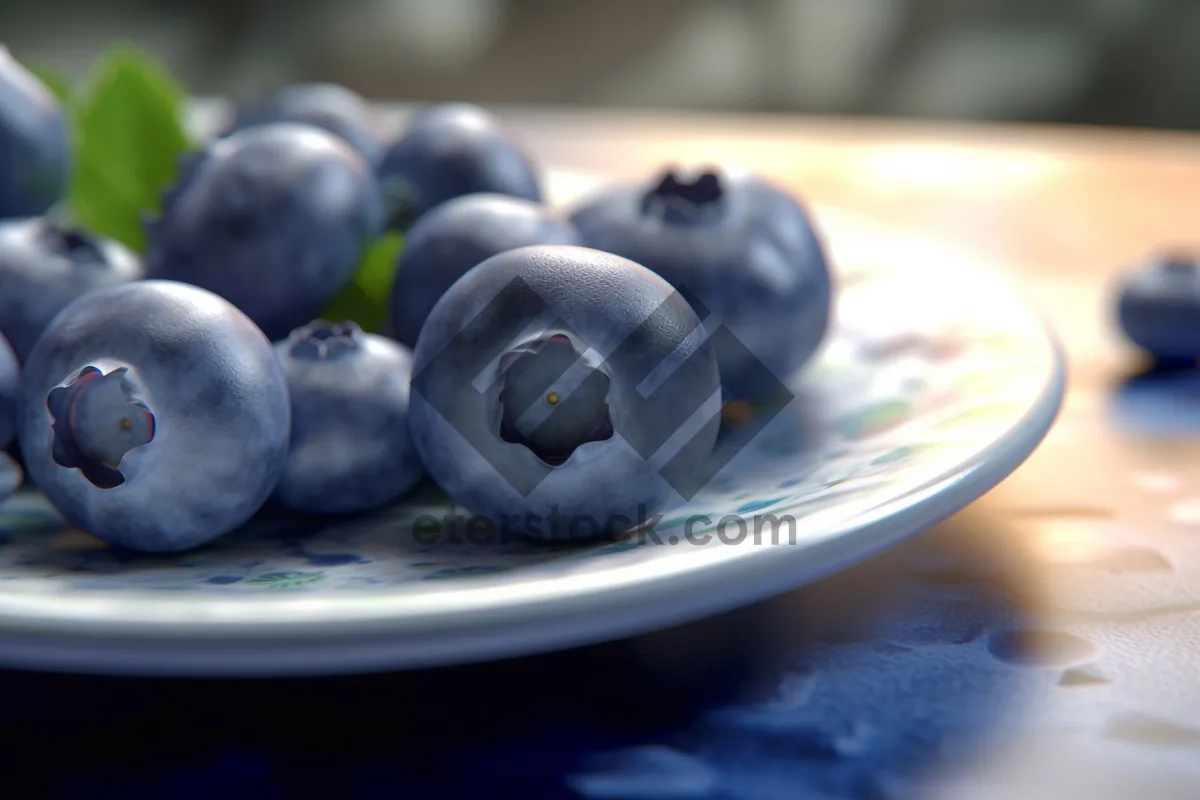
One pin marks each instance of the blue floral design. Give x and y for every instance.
(758, 505)
(286, 580)
(461, 572)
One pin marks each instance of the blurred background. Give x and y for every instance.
(1107, 62)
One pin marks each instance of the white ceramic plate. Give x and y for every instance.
(937, 382)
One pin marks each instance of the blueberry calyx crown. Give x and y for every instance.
(324, 340)
(545, 410)
(682, 202)
(80, 247)
(96, 418)
(1178, 264)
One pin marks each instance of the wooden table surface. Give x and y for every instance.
(1097, 528)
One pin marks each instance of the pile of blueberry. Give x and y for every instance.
(534, 362)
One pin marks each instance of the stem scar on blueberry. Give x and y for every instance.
(323, 340)
(97, 419)
(679, 201)
(575, 418)
(67, 241)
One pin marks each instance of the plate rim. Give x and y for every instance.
(377, 646)
(488, 618)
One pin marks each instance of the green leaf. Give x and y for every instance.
(365, 299)
(352, 303)
(56, 83)
(129, 136)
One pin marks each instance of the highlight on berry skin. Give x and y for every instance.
(97, 419)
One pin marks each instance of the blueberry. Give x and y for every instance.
(742, 249)
(35, 153)
(1158, 308)
(350, 448)
(10, 376)
(11, 476)
(449, 150)
(547, 383)
(457, 235)
(44, 266)
(154, 415)
(328, 106)
(274, 219)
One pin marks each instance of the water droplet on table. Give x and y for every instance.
(1082, 676)
(1040, 648)
(1156, 482)
(1138, 729)
(1120, 559)
(1185, 512)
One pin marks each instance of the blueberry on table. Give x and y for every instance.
(154, 415)
(453, 238)
(742, 249)
(1158, 308)
(35, 153)
(350, 448)
(328, 106)
(10, 380)
(274, 219)
(564, 393)
(449, 150)
(45, 265)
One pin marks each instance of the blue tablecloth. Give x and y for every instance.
(848, 688)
